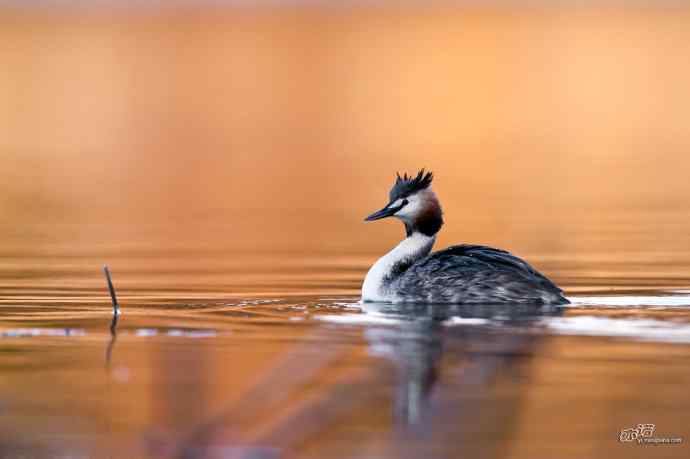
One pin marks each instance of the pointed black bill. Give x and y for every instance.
(383, 213)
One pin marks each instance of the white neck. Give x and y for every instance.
(412, 248)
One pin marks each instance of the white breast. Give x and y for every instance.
(374, 289)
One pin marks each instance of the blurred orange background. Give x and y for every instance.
(539, 121)
(210, 153)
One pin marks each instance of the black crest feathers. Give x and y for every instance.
(405, 186)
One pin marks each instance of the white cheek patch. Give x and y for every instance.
(412, 208)
(396, 203)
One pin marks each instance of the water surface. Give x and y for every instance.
(242, 353)
(221, 159)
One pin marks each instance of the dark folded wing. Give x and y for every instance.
(476, 274)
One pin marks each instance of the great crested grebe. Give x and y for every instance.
(459, 274)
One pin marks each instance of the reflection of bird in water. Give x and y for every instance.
(416, 350)
(418, 345)
(459, 274)
(440, 389)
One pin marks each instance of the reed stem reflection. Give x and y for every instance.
(114, 320)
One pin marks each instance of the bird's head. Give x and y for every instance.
(412, 201)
